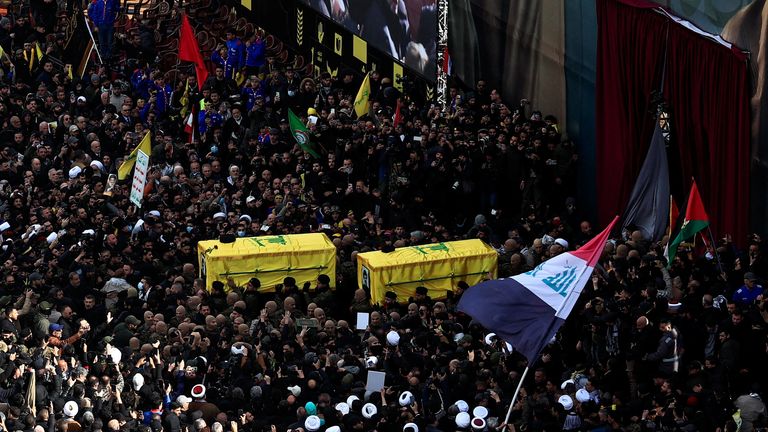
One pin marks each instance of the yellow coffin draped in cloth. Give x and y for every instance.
(268, 258)
(438, 267)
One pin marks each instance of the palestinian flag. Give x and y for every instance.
(696, 219)
(301, 134)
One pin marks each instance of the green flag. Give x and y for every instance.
(696, 219)
(301, 134)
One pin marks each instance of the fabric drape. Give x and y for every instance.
(705, 85)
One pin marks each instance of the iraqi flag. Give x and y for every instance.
(527, 310)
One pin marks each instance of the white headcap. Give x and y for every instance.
(343, 408)
(369, 410)
(582, 395)
(371, 362)
(295, 390)
(406, 398)
(350, 400)
(198, 391)
(565, 401)
(480, 412)
(410, 427)
(333, 429)
(462, 420)
(312, 423)
(393, 338)
(75, 171)
(478, 423)
(562, 242)
(462, 406)
(70, 409)
(565, 384)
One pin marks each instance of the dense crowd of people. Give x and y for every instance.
(106, 326)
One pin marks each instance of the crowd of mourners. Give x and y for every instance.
(106, 325)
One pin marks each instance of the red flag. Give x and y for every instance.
(447, 63)
(398, 115)
(189, 51)
(674, 213)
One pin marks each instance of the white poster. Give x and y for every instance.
(139, 178)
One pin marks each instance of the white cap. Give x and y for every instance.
(478, 423)
(343, 408)
(183, 399)
(333, 429)
(410, 427)
(480, 412)
(312, 423)
(81, 98)
(4, 226)
(393, 338)
(219, 215)
(369, 410)
(462, 406)
(155, 213)
(246, 217)
(295, 390)
(138, 381)
(562, 242)
(236, 350)
(406, 398)
(70, 409)
(89, 231)
(350, 400)
(371, 362)
(565, 384)
(582, 395)
(75, 171)
(565, 401)
(462, 420)
(250, 198)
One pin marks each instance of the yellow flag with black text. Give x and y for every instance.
(146, 146)
(362, 101)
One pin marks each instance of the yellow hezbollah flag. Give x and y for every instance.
(362, 102)
(146, 146)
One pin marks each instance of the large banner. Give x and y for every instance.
(406, 30)
(516, 46)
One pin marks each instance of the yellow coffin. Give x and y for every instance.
(438, 267)
(268, 258)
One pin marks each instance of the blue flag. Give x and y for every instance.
(527, 310)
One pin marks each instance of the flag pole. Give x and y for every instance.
(714, 249)
(517, 391)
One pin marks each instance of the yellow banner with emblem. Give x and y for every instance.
(438, 267)
(269, 259)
